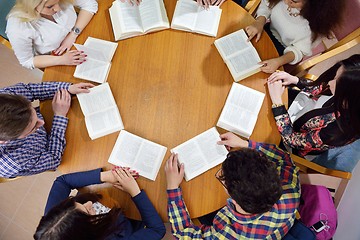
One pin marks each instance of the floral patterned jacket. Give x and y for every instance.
(311, 132)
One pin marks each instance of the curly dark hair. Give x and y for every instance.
(64, 221)
(252, 180)
(323, 15)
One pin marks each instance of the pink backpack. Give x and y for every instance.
(317, 205)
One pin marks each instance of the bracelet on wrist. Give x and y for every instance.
(275, 105)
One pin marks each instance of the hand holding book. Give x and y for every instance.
(230, 140)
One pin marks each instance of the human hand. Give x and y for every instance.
(132, 2)
(230, 140)
(205, 3)
(174, 175)
(66, 44)
(271, 65)
(61, 102)
(276, 89)
(217, 2)
(80, 88)
(108, 176)
(285, 77)
(125, 181)
(254, 29)
(73, 57)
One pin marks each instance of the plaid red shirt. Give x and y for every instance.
(229, 224)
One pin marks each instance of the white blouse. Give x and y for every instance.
(293, 32)
(42, 36)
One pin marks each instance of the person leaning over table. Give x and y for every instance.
(263, 186)
(41, 32)
(325, 114)
(294, 27)
(25, 146)
(83, 218)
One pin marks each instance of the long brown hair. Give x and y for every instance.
(347, 94)
(322, 15)
(64, 221)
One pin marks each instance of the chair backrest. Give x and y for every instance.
(5, 7)
(251, 6)
(307, 166)
(304, 66)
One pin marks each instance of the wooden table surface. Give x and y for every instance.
(169, 86)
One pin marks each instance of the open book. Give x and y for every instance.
(98, 61)
(201, 153)
(101, 113)
(189, 16)
(241, 110)
(138, 153)
(130, 21)
(239, 55)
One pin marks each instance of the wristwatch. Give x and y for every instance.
(76, 30)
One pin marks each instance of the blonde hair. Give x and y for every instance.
(26, 9)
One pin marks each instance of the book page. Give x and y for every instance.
(149, 159)
(244, 64)
(138, 153)
(232, 44)
(92, 53)
(207, 21)
(98, 99)
(93, 70)
(241, 110)
(107, 48)
(185, 15)
(151, 15)
(100, 110)
(129, 17)
(201, 153)
(103, 123)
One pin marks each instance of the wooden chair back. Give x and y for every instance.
(252, 5)
(307, 166)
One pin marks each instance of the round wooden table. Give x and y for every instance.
(169, 86)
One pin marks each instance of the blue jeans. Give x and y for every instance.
(342, 158)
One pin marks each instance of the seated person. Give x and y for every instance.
(40, 31)
(263, 186)
(83, 218)
(325, 114)
(25, 147)
(294, 27)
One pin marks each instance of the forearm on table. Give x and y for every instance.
(261, 20)
(83, 19)
(286, 58)
(57, 140)
(63, 185)
(43, 61)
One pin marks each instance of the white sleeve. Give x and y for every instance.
(263, 9)
(88, 5)
(300, 48)
(21, 36)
